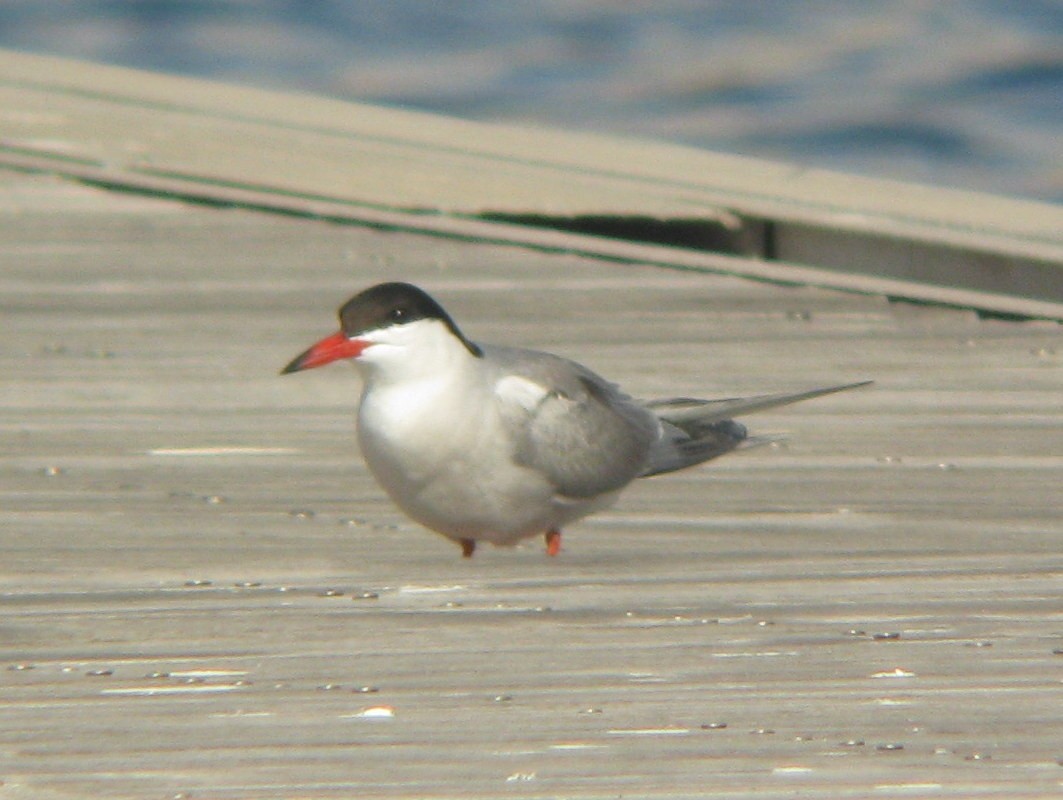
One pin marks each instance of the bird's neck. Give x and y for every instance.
(435, 361)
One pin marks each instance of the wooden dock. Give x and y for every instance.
(204, 595)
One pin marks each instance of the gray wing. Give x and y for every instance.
(681, 447)
(570, 425)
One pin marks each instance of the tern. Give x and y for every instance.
(484, 443)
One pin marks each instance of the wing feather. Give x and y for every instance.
(571, 426)
(586, 437)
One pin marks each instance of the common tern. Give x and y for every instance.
(482, 443)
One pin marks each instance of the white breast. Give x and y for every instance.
(409, 432)
(444, 458)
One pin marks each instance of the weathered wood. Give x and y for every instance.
(310, 155)
(203, 592)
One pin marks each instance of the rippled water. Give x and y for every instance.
(965, 93)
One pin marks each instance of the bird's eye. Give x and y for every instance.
(397, 314)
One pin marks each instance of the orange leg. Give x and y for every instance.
(553, 542)
(468, 547)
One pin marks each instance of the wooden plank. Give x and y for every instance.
(775, 271)
(202, 587)
(143, 131)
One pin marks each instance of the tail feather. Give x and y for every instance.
(680, 409)
(695, 431)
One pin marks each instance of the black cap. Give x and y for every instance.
(388, 304)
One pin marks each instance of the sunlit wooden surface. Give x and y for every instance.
(321, 157)
(204, 595)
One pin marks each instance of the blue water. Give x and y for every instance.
(964, 93)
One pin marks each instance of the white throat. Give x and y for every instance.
(422, 352)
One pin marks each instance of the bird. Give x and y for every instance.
(488, 443)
